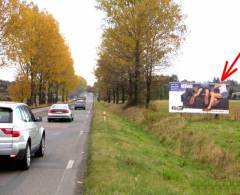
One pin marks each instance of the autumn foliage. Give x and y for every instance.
(32, 41)
(20, 90)
(139, 38)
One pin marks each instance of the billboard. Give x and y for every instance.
(211, 98)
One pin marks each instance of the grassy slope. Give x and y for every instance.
(224, 131)
(128, 158)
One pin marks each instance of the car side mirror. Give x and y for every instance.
(38, 119)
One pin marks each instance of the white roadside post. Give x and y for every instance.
(104, 116)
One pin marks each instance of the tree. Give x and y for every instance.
(81, 83)
(216, 80)
(42, 55)
(138, 39)
(7, 8)
(20, 90)
(160, 86)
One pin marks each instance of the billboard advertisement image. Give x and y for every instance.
(209, 98)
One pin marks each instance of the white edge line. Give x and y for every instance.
(70, 164)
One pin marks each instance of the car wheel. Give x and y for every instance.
(26, 161)
(49, 120)
(41, 150)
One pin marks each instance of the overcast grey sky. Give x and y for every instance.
(81, 25)
(213, 36)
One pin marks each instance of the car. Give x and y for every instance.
(60, 112)
(21, 134)
(82, 97)
(80, 104)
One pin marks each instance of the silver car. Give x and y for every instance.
(80, 104)
(21, 134)
(60, 112)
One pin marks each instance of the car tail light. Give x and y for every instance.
(58, 110)
(13, 133)
(65, 111)
(50, 111)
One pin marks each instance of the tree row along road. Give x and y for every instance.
(57, 172)
(30, 41)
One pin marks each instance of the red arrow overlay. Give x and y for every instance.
(227, 73)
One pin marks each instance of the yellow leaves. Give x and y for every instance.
(81, 82)
(36, 46)
(20, 90)
(7, 7)
(22, 34)
(139, 36)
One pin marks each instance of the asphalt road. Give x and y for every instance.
(57, 173)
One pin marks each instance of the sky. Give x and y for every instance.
(212, 38)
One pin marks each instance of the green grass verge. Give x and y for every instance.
(125, 157)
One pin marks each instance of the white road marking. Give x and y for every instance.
(83, 156)
(70, 164)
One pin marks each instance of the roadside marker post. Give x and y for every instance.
(104, 116)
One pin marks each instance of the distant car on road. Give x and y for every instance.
(21, 134)
(60, 112)
(80, 103)
(82, 97)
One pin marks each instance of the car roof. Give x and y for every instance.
(59, 105)
(11, 105)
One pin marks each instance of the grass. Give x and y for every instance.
(224, 132)
(139, 151)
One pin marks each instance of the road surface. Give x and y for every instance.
(59, 171)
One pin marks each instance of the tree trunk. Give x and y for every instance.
(108, 96)
(114, 96)
(35, 99)
(32, 90)
(123, 95)
(136, 74)
(130, 88)
(49, 93)
(51, 96)
(66, 96)
(148, 94)
(56, 92)
(41, 92)
(117, 95)
(148, 84)
(63, 94)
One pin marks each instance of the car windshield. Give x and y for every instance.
(60, 106)
(5, 115)
(82, 98)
